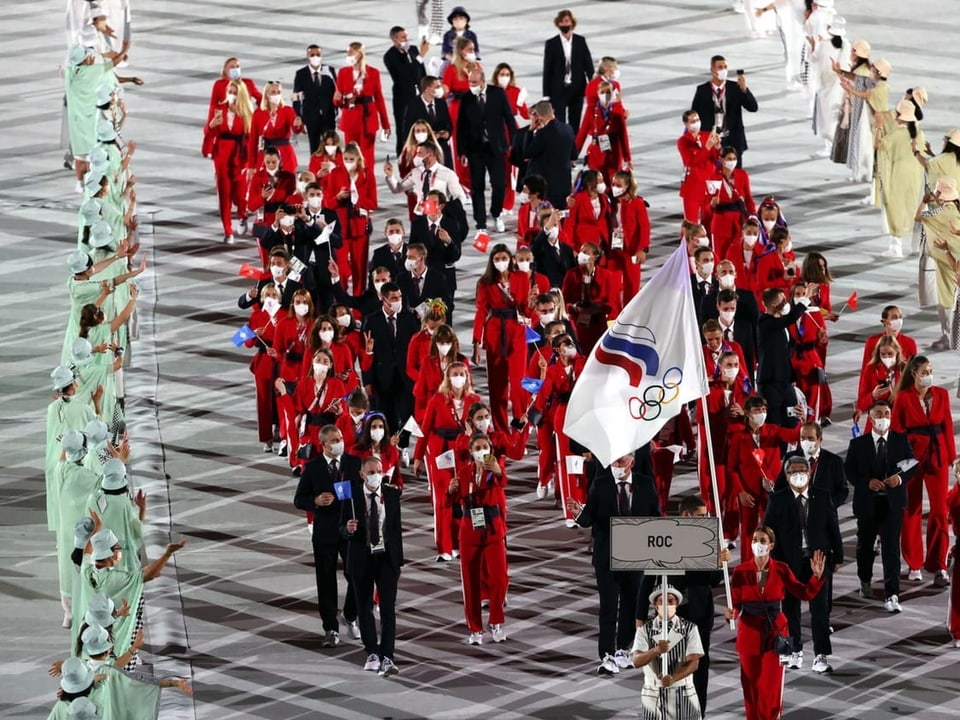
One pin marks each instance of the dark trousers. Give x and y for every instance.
(396, 403)
(349, 598)
(325, 562)
(399, 110)
(618, 609)
(779, 396)
(819, 613)
(886, 524)
(700, 613)
(316, 127)
(568, 107)
(379, 572)
(486, 162)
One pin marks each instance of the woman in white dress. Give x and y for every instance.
(828, 95)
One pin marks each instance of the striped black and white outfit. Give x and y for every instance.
(679, 701)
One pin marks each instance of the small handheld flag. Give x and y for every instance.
(343, 490)
(242, 335)
(531, 385)
(412, 427)
(481, 241)
(446, 460)
(532, 335)
(852, 301)
(249, 271)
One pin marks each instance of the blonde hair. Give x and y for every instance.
(264, 101)
(446, 388)
(463, 66)
(362, 51)
(354, 149)
(411, 144)
(244, 103)
(557, 296)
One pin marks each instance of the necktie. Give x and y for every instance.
(882, 457)
(802, 510)
(393, 324)
(431, 111)
(373, 520)
(727, 335)
(623, 499)
(425, 188)
(434, 228)
(334, 468)
(419, 285)
(280, 288)
(316, 78)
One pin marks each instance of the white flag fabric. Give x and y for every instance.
(645, 368)
(412, 427)
(446, 460)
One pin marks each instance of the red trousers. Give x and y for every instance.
(356, 250)
(728, 503)
(662, 460)
(444, 525)
(698, 211)
(955, 594)
(547, 462)
(628, 273)
(231, 192)
(509, 194)
(288, 424)
(266, 405)
(724, 229)
(503, 380)
(568, 484)
(367, 145)
(761, 677)
(938, 539)
(474, 559)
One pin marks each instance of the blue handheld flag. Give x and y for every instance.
(532, 335)
(531, 385)
(242, 335)
(343, 491)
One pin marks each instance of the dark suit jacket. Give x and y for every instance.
(390, 353)
(823, 530)
(548, 262)
(601, 505)
(300, 243)
(699, 294)
(773, 351)
(317, 103)
(316, 479)
(548, 152)
(439, 254)
(358, 547)
(736, 102)
(747, 310)
(383, 257)
(417, 110)
(289, 288)
(496, 119)
(366, 304)
(405, 70)
(828, 477)
(861, 466)
(434, 286)
(554, 62)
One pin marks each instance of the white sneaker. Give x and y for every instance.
(444, 557)
(956, 643)
(331, 639)
(498, 223)
(941, 579)
(405, 457)
(475, 639)
(78, 188)
(795, 661)
(268, 447)
(608, 666)
(820, 664)
(388, 669)
(372, 663)
(355, 630)
(497, 633)
(570, 523)
(868, 200)
(892, 604)
(915, 575)
(541, 491)
(310, 529)
(242, 227)
(622, 659)
(228, 239)
(455, 554)
(825, 153)
(67, 620)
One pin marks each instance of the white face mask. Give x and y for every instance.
(768, 224)
(925, 381)
(301, 186)
(570, 351)
(410, 265)
(583, 258)
(480, 455)
(336, 449)
(523, 198)
(352, 60)
(750, 240)
(546, 317)
(758, 419)
(287, 221)
(396, 306)
(881, 424)
(320, 368)
(501, 265)
(503, 81)
(271, 305)
(726, 281)
(438, 93)
(730, 164)
(482, 425)
(231, 98)
(377, 286)
(376, 434)
(601, 188)
(330, 150)
(760, 549)
(896, 324)
(315, 61)
(788, 246)
(553, 233)
(420, 137)
(523, 265)
(301, 309)
(278, 271)
(703, 242)
(619, 473)
(731, 373)
(325, 335)
(888, 361)
(233, 73)
(373, 480)
(444, 348)
(458, 381)
(615, 75)
(349, 165)
(344, 320)
(808, 446)
(357, 417)
(694, 127)
(314, 202)
(722, 75)
(671, 611)
(271, 171)
(274, 98)
(798, 481)
(618, 190)
(395, 238)
(785, 310)
(706, 269)
(470, 57)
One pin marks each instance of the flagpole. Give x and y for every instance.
(711, 462)
(663, 624)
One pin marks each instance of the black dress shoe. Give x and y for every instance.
(297, 471)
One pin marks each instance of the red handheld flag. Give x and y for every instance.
(852, 301)
(481, 241)
(249, 271)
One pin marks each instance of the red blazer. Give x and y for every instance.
(219, 93)
(417, 352)
(513, 97)
(483, 489)
(592, 92)
(930, 436)
(291, 344)
(332, 181)
(350, 430)
(713, 372)
(262, 365)
(722, 424)
(746, 269)
(805, 340)
(428, 382)
(635, 222)
(584, 225)
(285, 186)
(908, 347)
(753, 637)
(278, 126)
(225, 143)
(771, 273)
(737, 189)
(354, 218)
(743, 465)
(528, 225)
(457, 85)
(871, 376)
(612, 122)
(493, 323)
(599, 292)
(699, 163)
(438, 419)
(367, 112)
(557, 385)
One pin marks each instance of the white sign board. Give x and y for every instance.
(664, 544)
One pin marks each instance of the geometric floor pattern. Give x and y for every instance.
(236, 609)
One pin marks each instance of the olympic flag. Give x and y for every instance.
(643, 371)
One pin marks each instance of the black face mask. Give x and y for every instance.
(566, 29)
(836, 41)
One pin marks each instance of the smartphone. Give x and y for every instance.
(489, 458)
(388, 157)
(740, 71)
(564, 214)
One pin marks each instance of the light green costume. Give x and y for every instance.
(117, 585)
(74, 486)
(81, 83)
(118, 513)
(63, 415)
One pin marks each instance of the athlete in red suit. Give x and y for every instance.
(476, 489)
(517, 97)
(589, 219)
(224, 141)
(757, 587)
(753, 464)
(921, 410)
(879, 377)
(744, 252)
(327, 164)
(290, 343)
(268, 189)
(528, 214)
(807, 336)
(376, 441)
(700, 153)
(419, 345)
(356, 198)
(438, 356)
(502, 296)
(362, 108)
(892, 320)
(537, 366)
(264, 363)
(605, 123)
(776, 268)
(317, 401)
(730, 203)
(273, 126)
(231, 71)
(953, 507)
(444, 421)
(589, 293)
(629, 234)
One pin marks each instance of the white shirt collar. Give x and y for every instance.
(877, 437)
